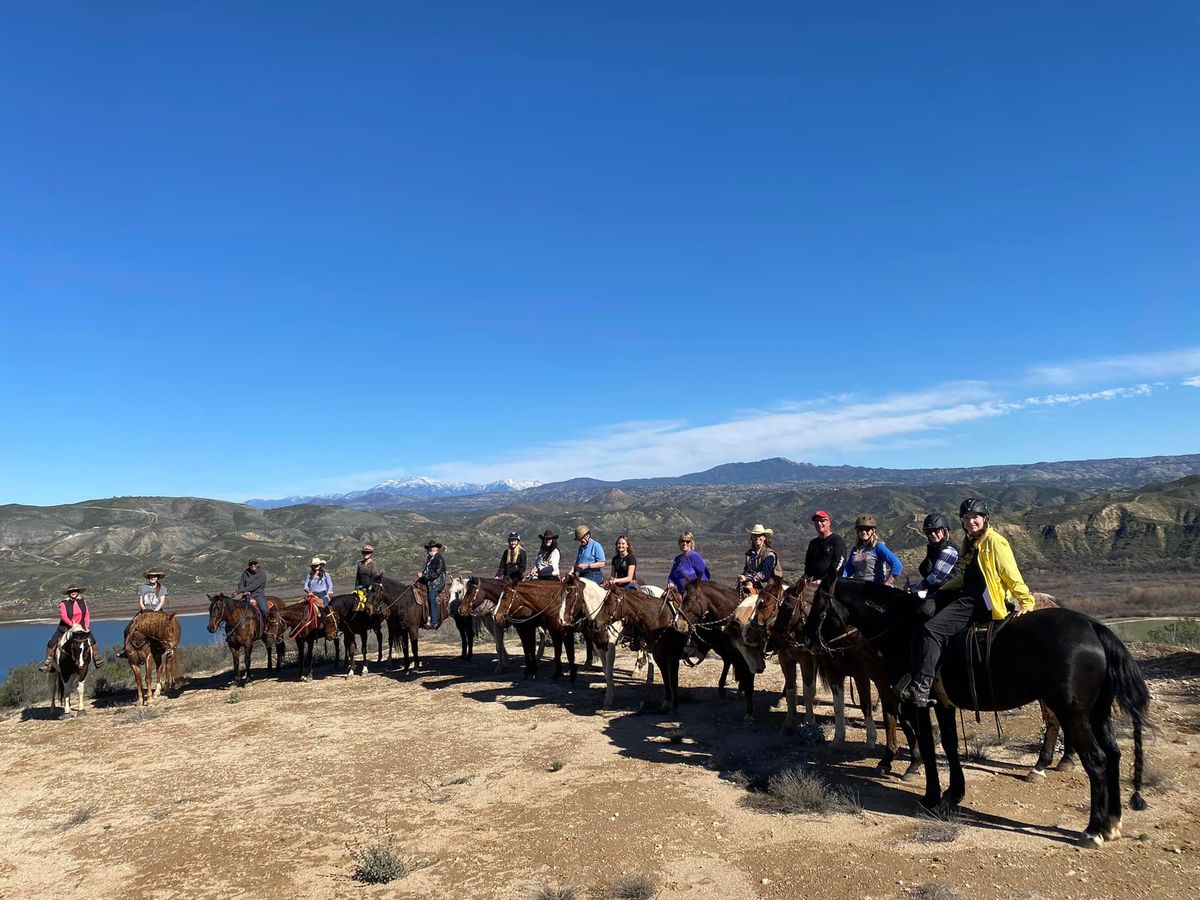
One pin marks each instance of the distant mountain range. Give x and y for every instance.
(387, 493)
(1105, 473)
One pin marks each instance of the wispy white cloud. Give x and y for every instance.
(1130, 367)
(1194, 381)
(1137, 390)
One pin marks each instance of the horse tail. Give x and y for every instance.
(1128, 687)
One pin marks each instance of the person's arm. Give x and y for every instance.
(848, 566)
(329, 584)
(241, 585)
(894, 566)
(700, 566)
(1010, 577)
(87, 615)
(62, 614)
(553, 559)
(522, 560)
(943, 566)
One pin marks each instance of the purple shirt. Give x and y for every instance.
(687, 567)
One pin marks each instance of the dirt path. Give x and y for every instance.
(494, 787)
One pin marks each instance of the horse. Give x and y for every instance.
(527, 604)
(857, 660)
(1071, 662)
(355, 623)
(401, 606)
(73, 657)
(243, 626)
(304, 622)
(463, 620)
(480, 600)
(622, 614)
(710, 607)
(152, 640)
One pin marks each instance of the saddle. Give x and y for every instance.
(362, 599)
(422, 595)
(976, 642)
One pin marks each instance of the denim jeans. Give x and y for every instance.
(262, 605)
(433, 609)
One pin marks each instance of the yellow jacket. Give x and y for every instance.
(1000, 573)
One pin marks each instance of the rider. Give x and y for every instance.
(368, 570)
(871, 560)
(688, 565)
(253, 584)
(545, 564)
(72, 611)
(318, 582)
(989, 576)
(826, 552)
(433, 576)
(513, 560)
(941, 554)
(589, 560)
(624, 565)
(762, 563)
(152, 597)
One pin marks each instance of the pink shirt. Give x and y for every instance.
(78, 615)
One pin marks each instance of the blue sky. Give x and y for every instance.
(255, 249)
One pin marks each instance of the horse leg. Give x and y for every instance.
(787, 663)
(864, 703)
(904, 714)
(837, 687)
(1081, 735)
(723, 679)
(808, 672)
(378, 629)
(412, 635)
(233, 651)
(1102, 727)
(948, 726)
(587, 642)
(501, 653)
(672, 672)
(1049, 740)
(541, 643)
(246, 668)
(528, 649)
(933, 786)
(610, 659)
(557, 639)
(746, 680)
(570, 642)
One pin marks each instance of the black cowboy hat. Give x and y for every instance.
(431, 544)
(74, 588)
(549, 535)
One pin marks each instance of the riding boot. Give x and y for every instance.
(97, 656)
(48, 664)
(918, 692)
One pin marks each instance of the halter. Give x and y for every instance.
(510, 620)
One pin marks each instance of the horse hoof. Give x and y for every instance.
(1035, 775)
(747, 719)
(1067, 764)
(1089, 840)
(912, 774)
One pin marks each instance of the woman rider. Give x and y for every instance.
(688, 565)
(433, 576)
(545, 564)
(762, 563)
(624, 565)
(512, 560)
(152, 597)
(318, 582)
(72, 611)
(871, 560)
(941, 554)
(989, 576)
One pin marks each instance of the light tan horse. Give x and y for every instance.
(152, 640)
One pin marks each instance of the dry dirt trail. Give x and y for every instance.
(496, 786)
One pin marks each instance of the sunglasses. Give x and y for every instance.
(866, 530)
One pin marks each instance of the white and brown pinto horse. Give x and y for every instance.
(73, 657)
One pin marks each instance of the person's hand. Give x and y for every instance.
(1019, 611)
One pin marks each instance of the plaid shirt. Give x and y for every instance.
(942, 567)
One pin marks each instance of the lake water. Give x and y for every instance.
(25, 643)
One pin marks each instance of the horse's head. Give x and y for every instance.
(75, 649)
(506, 604)
(574, 610)
(378, 598)
(694, 603)
(766, 608)
(839, 610)
(216, 611)
(329, 625)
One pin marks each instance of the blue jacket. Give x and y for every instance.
(886, 563)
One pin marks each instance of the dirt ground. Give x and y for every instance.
(493, 787)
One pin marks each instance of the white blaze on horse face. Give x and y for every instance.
(593, 597)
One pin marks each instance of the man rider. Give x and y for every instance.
(989, 576)
(253, 584)
(826, 553)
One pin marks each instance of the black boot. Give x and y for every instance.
(918, 692)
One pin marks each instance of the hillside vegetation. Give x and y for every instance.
(204, 544)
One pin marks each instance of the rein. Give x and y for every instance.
(511, 621)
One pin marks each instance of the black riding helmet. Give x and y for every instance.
(973, 506)
(934, 521)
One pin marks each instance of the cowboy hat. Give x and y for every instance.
(317, 561)
(367, 548)
(759, 529)
(431, 544)
(74, 589)
(157, 573)
(549, 535)
(581, 531)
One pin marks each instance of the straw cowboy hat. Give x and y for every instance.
(74, 588)
(431, 544)
(157, 573)
(759, 529)
(581, 531)
(316, 561)
(549, 535)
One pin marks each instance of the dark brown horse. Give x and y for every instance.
(303, 622)
(710, 608)
(402, 607)
(152, 640)
(73, 658)
(354, 620)
(529, 604)
(243, 626)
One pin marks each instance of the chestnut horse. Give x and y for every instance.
(152, 641)
(480, 599)
(243, 627)
(709, 607)
(528, 604)
(303, 622)
(402, 607)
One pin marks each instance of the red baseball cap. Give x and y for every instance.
(820, 514)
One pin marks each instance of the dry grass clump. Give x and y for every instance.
(939, 827)
(555, 765)
(934, 891)
(628, 887)
(81, 815)
(379, 863)
(546, 892)
(796, 791)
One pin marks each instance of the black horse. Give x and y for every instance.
(1071, 662)
(355, 623)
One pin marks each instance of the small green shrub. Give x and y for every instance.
(546, 892)
(1184, 633)
(234, 697)
(629, 887)
(555, 765)
(24, 686)
(379, 863)
(934, 891)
